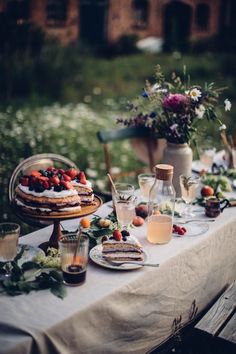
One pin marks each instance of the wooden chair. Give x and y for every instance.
(107, 137)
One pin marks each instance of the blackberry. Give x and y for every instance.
(58, 188)
(125, 233)
(39, 188)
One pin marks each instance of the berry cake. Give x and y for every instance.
(48, 192)
(122, 247)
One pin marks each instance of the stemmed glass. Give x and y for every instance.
(9, 235)
(207, 154)
(189, 185)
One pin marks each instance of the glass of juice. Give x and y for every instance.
(189, 187)
(145, 181)
(74, 258)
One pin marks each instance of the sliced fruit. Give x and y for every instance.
(82, 177)
(104, 223)
(72, 172)
(55, 180)
(35, 173)
(67, 185)
(66, 177)
(85, 223)
(117, 235)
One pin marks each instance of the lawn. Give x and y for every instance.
(91, 94)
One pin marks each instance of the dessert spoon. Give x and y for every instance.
(143, 264)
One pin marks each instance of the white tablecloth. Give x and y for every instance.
(123, 311)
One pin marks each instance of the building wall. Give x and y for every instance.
(120, 19)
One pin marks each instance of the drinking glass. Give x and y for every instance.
(145, 181)
(74, 258)
(207, 154)
(124, 190)
(9, 235)
(125, 209)
(189, 187)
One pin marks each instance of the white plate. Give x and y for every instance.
(96, 256)
(193, 229)
(29, 253)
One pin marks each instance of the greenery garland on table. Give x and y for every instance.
(22, 281)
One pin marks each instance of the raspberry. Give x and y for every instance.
(117, 235)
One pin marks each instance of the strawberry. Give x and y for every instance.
(117, 235)
(35, 173)
(67, 185)
(46, 184)
(72, 172)
(61, 171)
(66, 177)
(55, 180)
(24, 181)
(82, 177)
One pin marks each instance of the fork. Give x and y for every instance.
(143, 264)
(194, 220)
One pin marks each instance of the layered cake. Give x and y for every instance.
(48, 192)
(83, 187)
(125, 248)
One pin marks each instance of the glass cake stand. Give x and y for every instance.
(37, 162)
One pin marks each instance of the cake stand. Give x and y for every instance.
(56, 219)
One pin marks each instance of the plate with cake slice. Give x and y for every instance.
(111, 250)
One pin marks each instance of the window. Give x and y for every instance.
(140, 8)
(56, 12)
(18, 11)
(202, 16)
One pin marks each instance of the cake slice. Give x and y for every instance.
(128, 248)
(84, 188)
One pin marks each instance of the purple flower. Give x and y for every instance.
(175, 102)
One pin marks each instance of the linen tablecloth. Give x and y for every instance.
(123, 311)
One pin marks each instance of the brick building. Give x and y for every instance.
(105, 21)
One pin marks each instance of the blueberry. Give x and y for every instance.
(125, 233)
(124, 238)
(58, 188)
(39, 188)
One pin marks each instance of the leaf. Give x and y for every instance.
(30, 265)
(58, 290)
(19, 255)
(102, 232)
(56, 275)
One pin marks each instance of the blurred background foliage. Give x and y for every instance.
(55, 99)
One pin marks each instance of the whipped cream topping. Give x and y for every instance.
(76, 208)
(131, 240)
(49, 193)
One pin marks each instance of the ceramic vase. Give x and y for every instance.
(180, 156)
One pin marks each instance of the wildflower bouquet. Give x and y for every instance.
(173, 110)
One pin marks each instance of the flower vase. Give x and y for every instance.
(180, 156)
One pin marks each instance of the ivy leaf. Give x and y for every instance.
(19, 255)
(30, 265)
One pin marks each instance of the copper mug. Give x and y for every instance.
(214, 207)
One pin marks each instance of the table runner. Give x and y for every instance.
(122, 311)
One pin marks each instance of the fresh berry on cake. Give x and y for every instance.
(122, 247)
(47, 192)
(83, 187)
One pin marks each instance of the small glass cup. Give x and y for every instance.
(207, 154)
(9, 236)
(145, 181)
(189, 185)
(125, 209)
(74, 258)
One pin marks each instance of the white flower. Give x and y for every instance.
(195, 94)
(200, 110)
(157, 88)
(222, 127)
(228, 105)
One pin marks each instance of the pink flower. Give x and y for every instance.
(175, 102)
